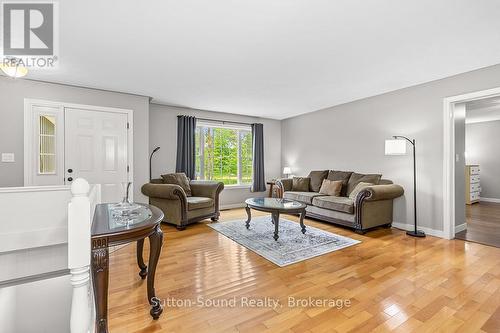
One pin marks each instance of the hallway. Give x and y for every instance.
(483, 224)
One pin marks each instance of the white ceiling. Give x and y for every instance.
(482, 110)
(273, 59)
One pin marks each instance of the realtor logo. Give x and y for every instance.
(29, 32)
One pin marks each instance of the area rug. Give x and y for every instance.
(291, 247)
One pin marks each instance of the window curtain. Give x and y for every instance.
(186, 127)
(258, 182)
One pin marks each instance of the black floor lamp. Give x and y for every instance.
(150, 157)
(398, 147)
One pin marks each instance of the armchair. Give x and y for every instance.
(180, 209)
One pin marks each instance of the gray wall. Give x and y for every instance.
(460, 164)
(163, 133)
(12, 95)
(482, 147)
(351, 137)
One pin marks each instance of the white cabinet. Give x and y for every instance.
(472, 184)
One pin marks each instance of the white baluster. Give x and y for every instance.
(79, 223)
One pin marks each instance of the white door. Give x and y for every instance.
(96, 149)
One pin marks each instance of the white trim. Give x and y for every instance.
(495, 200)
(43, 102)
(449, 155)
(222, 124)
(28, 131)
(232, 206)
(34, 189)
(237, 187)
(460, 227)
(30, 163)
(409, 227)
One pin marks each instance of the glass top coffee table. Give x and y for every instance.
(275, 206)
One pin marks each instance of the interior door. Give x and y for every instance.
(96, 149)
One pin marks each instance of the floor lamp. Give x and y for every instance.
(397, 146)
(150, 157)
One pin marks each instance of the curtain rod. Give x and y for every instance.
(224, 121)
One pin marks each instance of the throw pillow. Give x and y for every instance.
(357, 178)
(317, 179)
(301, 184)
(178, 179)
(360, 187)
(340, 175)
(331, 187)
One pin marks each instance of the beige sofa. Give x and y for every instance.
(372, 207)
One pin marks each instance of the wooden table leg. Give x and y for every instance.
(302, 226)
(140, 261)
(249, 217)
(100, 276)
(276, 220)
(155, 242)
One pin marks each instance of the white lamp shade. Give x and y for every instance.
(287, 170)
(14, 71)
(395, 147)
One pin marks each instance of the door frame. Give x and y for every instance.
(29, 163)
(449, 154)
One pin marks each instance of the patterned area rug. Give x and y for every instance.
(291, 247)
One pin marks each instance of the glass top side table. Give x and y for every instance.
(109, 230)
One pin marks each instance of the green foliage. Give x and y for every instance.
(218, 157)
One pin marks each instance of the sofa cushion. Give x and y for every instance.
(357, 178)
(340, 175)
(340, 204)
(300, 184)
(317, 178)
(358, 189)
(180, 179)
(331, 187)
(305, 197)
(199, 203)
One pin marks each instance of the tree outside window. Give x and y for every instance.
(224, 154)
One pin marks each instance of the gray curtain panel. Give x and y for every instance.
(186, 127)
(259, 182)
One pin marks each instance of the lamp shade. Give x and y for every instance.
(395, 147)
(14, 70)
(287, 170)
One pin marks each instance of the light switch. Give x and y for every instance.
(8, 158)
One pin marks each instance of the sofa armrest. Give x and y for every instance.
(164, 191)
(383, 192)
(284, 184)
(375, 202)
(206, 188)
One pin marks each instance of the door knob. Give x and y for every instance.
(70, 179)
(70, 170)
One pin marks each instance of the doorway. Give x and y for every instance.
(68, 141)
(481, 131)
(472, 191)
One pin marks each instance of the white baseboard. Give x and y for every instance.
(428, 231)
(460, 227)
(232, 206)
(489, 200)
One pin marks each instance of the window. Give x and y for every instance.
(47, 145)
(224, 153)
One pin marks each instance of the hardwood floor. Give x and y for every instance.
(483, 224)
(394, 283)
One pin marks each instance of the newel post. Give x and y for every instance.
(79, 223)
